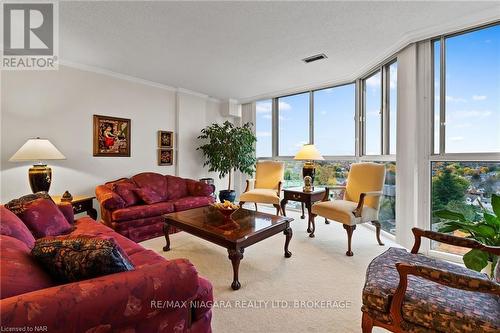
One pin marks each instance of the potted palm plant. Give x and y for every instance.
(228, 148)
(486, 231)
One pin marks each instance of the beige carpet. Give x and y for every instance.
(318, 271)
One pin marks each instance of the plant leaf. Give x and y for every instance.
(495, 202)
(449, 215)
(492, 221)
(475, 260)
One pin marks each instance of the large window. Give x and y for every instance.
(264, 127)
(467, 92)
(334, 120)
(466, 79)
(293, 115)
(373, 114)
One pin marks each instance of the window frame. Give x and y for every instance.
(385, 126)
(442, 155)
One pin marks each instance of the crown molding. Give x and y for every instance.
(134, 79)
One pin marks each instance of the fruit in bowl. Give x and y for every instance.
(226, 207)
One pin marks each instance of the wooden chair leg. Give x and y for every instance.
(350, 229)
(278, 208)
(255, 206)
(241, 203)
(378, 227)
(366, 323)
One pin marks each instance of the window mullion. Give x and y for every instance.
(442, 99)
(311, 117)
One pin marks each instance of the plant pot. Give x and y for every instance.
(229, 195)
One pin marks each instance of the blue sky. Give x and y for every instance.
(473, 92)
(472, 105)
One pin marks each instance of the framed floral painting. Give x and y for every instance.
(165, 139)
(111, 136)
(165, 156)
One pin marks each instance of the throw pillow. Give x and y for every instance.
(11, 225)
(80, 257)
(40, 214)
(20, 273)
(125, 190)
(148, 195)
(199, 189)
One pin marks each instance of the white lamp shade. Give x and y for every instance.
(37, 150)
(308, 153)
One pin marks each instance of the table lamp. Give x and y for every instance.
(40, 175)
(309, 153)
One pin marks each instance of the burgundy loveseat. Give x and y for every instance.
(154, 297)
(134, 206)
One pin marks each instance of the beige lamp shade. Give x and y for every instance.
(308, 153)
(37, 150)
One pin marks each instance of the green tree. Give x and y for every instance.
(447, 187)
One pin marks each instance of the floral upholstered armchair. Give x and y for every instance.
(409, 292)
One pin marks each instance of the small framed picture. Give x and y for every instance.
(111, 136)
(165, 156)
(165, 139)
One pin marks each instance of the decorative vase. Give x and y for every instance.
(210, 181)
(229, 195)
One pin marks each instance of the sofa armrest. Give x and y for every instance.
(113, 301)
(108, 199)
(443, 277)
(67, 209)
(452, 240)
(199, 189)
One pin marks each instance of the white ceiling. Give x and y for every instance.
(246, 50)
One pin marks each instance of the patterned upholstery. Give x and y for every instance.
(121, 302)
(429, 306)
(132, 216)
(11, 225)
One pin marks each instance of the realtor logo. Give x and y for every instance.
(29, 36)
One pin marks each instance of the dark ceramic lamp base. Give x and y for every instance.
(40, 177)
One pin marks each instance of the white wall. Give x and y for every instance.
(59, 105)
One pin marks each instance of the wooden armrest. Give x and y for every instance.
(359, 209)
(250, 184)
(446, 278)
(450, 239)
(279, 187)
(328, 188)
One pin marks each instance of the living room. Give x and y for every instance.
(254, 166)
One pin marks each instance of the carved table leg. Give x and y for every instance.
(311, 223)
(302, 216)
(326, 221)
(288, 233)
(166, 231)
(235, 256)
(283, 204)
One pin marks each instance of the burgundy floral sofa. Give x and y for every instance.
(158, 295)
(134, 206)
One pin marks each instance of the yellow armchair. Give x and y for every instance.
(266, 186)
(361, 201)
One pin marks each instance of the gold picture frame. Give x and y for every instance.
(111, 136)
(165, 139)
(165, 156)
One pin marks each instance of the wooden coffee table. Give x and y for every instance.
(246, 227)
